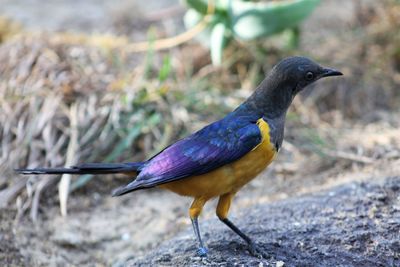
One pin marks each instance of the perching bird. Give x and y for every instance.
(218, 160)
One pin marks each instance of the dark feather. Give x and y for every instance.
(87, 168)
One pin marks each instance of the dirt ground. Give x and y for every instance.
(104, 231)
(355, 224)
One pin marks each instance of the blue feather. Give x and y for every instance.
(218, 144)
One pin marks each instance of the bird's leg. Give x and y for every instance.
(194, 212)
(224, 204)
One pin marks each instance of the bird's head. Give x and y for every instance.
(298, 72)
(291, 75)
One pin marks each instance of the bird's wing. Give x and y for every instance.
(218, 144)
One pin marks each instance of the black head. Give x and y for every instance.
(275, 94)
(300, 72)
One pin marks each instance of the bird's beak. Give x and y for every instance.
(331, 72)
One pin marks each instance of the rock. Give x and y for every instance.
(356, 224)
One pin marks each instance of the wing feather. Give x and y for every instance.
(215, 145)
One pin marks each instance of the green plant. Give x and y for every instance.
(245, 20)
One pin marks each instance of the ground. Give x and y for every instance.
(356, 224)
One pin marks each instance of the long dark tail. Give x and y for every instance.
(88, 168)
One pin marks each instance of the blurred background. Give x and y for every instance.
(111, 81)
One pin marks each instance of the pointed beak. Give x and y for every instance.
(331, 72)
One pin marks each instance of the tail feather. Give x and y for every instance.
(133, 186)
(88, 168)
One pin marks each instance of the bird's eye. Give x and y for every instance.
(309, 76)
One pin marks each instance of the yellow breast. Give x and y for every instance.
(230, 177)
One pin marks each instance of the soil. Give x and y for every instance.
(357, 224)
(10, 254)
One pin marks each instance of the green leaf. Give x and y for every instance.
(165, 69)
(191, 18)
(132, 135)
(217, 43)
(151, 36)
(255, 20)
(292, 37)
(198, 5)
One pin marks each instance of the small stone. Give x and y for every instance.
(126, 236)
(280, 264)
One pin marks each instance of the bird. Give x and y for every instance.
(219, 159)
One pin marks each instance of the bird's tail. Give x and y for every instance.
(88, 168)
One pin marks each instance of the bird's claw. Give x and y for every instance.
(202, 252)
(257, 252)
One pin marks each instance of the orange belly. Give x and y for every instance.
(230, 177)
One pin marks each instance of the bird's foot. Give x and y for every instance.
(257, 252)
(202, 252)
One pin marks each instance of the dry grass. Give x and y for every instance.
(8, 28)
(61, 104)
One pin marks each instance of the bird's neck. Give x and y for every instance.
(270, 99)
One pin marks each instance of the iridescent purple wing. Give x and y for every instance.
(218, 144)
